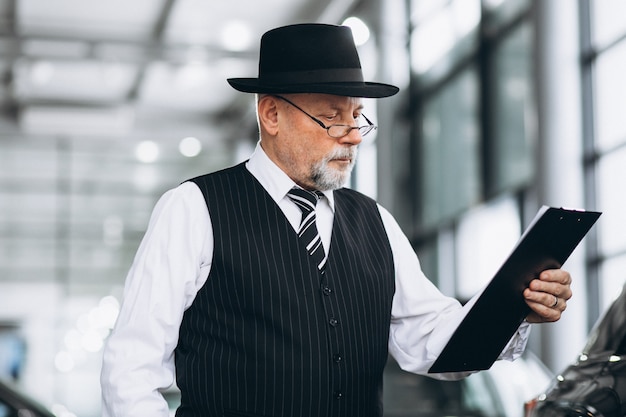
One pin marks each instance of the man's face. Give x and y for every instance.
(304, 150)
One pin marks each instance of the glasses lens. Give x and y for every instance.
(364, 130)
(338, 131)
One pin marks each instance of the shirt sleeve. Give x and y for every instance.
(422, 318)
(171, 264)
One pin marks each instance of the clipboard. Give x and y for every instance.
(496, 314)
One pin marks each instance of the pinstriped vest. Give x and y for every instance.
(268, 335)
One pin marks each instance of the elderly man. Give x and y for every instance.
(270, 290)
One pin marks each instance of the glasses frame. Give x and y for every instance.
(363, 130)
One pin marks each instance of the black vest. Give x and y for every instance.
(268, 334)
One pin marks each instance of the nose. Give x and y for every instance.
(352, 138)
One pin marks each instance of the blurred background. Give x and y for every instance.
(505, 105)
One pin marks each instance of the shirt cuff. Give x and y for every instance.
(516, 346)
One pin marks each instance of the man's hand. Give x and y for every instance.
(547, 296)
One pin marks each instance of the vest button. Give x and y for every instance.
(337, 358)
(338, 395)
(333, 322)
(326, 290)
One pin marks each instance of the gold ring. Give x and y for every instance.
(556, 301)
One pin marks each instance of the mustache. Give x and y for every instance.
(342, 153)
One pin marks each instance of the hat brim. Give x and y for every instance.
(348, 89)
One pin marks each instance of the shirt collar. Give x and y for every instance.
(273, 179)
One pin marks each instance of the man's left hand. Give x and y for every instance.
(547, 296)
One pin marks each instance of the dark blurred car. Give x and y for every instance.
(595, 384)
(15, 404)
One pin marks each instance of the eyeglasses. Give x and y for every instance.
(337, 131)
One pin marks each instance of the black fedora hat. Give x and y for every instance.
(311, 58)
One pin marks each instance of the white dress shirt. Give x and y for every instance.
(174, 260)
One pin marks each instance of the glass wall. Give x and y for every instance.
(449, 152)
(510, 112)
(475, 147)
(604, 59)
(473, 134)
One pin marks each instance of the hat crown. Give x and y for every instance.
(307, 47)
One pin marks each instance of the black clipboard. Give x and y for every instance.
(497, 313)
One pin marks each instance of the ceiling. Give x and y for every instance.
(85, 84)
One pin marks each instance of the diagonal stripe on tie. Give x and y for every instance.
(306, 202)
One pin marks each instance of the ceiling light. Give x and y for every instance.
(236, 36)
(147, 151)
(360, 31)
(190, 147)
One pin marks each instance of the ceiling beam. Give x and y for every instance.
(157, 38)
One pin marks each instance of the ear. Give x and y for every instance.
(268, 114)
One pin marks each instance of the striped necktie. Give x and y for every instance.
(306, 202)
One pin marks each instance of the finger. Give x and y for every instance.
(540, 313)
(547, 300)
(556, 275)
(556, 302)
(555, 288)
